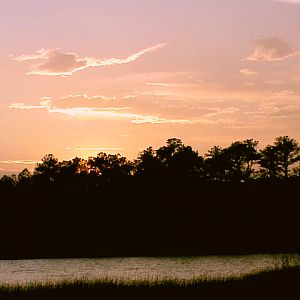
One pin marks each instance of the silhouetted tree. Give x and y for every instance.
(110, 166)
(242, 156)
(24, 178)
(72, 167)
(47, 170)
(179, 159)
(147, 163)
(216, 164)
(234, 163)
(276, 159)
(269, 162)
(165, 153)
(73, 172)
(8, 181)
(288, 152)
(186, 162)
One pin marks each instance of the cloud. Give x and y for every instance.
(271, 49)
(99, 107)
(172, 84)
(95, 148)
(137, 118)
(130, 96)
(208, 107)
(288, 1)
(270, 113)
(248, 72)
(84, 101)
(280, 109)
(21, 162)
(221, 111)
(21, 105)
(53, 62)
(282, 94)
(74, 102)
(157, 120)
(274, 82)
(140, 110)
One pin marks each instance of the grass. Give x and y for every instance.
(283, 282)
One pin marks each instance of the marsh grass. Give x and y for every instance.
(287, 261)
(268, 283)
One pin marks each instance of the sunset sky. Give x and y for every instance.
(79, 77)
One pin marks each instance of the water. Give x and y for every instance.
(41, 270)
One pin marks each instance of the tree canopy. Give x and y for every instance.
(241, 161)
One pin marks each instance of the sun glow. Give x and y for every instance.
(130, 74)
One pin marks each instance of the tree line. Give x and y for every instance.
(168, 201)
(239, 162)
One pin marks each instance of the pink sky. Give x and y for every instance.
(80, 77)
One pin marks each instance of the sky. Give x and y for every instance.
(80, 77)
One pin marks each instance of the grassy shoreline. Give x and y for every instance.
(262, 285)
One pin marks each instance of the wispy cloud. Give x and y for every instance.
(53, 62)
(220, 111)
(97, 107)
(95, 148)
(282, 93)
(157, 120)
(199, 107)
(136, 118)
(287, 1)
(248, 72)
(74, 102)
(21, 162)
(172, 84)
(21, 105)
(271, 49)
(279, 109)
(130, 96)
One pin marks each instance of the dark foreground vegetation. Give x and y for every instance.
(169, 201)
(272, 284)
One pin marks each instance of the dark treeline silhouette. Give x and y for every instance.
(169, 201)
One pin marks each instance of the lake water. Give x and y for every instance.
(41, 270)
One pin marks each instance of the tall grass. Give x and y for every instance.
(287, 261)
(281, 280)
